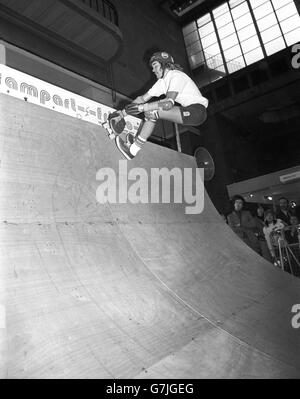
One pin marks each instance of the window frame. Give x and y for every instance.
(258, 31)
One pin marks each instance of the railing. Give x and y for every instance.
(287, 254)
(216, 62)
(105, 8)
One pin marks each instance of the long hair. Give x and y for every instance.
(269, 211)
(173, 67)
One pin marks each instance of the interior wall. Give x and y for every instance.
(145, 28)
(233, 155)
(37, 45)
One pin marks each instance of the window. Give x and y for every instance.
(287, 11)
(280, 3)
(206, 29)
(247, 32)
(189, 28)
(191, 38)
(271, 33)
(232, 53)
(257, 3)
(213, 49)
(267, 21)
(253, 56)
(292, 37)
(221, 10)
(226, 30)
(209, 40)
(223, 20)
(215, 62)
(227, 39)
(243, 21)
(263, 10)
(274, 45)
(291, 23)
(234, 3)
(280, 27)
(204, 20)
(236, 64)
(250, 44)
(240, 10)
(194, 49)
(197, 59)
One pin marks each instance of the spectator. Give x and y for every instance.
(260, 213)
(292, 234)
(284, 213)
(272, 227)
(243, 224)
(260, 224)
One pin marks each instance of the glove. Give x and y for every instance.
(134, 109)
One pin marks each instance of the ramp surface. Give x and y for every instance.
(124, 290)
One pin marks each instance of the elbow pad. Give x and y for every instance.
(166, 104)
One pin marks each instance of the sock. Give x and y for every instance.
(137, 145)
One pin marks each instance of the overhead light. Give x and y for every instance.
(268, 197)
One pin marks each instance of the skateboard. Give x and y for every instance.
(115, 125)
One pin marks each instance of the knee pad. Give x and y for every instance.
(151, 116)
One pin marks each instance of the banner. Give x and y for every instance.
(28, 88)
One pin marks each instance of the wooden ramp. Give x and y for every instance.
(124, 290)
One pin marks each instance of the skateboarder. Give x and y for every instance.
(176, 86)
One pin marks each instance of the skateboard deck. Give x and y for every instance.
(115, 125)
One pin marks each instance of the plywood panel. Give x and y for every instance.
(124, 290)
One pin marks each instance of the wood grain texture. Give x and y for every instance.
(124, 290)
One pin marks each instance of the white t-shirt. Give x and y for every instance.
(174, 80)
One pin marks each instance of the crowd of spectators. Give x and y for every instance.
(265, 229)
